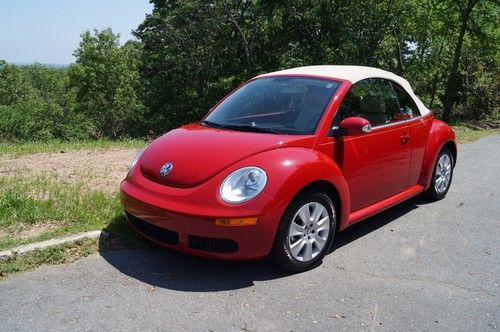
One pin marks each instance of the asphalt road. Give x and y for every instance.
(418, 266)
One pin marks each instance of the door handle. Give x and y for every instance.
(404, 138)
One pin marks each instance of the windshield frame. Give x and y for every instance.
(326, 111)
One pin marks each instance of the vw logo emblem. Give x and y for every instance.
(165, 169)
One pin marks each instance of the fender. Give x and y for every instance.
(440, 135)
(294, 168)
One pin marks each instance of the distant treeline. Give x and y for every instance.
(190, 53)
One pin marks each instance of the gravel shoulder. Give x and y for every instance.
(417, 266)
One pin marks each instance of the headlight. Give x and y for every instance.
(136, 159)
(243, 185)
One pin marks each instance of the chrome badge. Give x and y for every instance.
(166, 169)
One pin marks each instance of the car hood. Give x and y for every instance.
(197, 153)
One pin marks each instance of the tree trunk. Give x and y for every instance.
(436, 78)
(399, 52)
(450, 86)
(244, 40)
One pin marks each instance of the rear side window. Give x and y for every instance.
(407, 107)
(379, 101)
(372, 99)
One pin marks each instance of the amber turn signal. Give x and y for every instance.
(236, 221)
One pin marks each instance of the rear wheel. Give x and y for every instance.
(442, 176)
(306, 232)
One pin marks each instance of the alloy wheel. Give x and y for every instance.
(309, 231)
(443, 174)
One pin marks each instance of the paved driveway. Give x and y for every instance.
(418, 266)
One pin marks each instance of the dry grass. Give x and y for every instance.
(93, 169)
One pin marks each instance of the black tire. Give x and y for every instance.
(432, 193)
(281, 254)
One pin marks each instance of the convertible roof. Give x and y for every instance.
(352, 74)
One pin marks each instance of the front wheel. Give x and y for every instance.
(442, 176)
(305, 233)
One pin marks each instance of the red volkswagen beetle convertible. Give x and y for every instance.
(287, 160)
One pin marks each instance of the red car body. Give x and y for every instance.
(365, 174)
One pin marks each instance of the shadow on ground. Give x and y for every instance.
(166, 268)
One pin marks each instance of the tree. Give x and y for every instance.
(195, 51)
(191, 53)
(107, 84)
(37, 104)
(13, 85)
(465, 10)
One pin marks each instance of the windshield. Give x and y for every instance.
(281, 105)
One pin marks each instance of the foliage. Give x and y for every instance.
(105, 78)
(36, 104)
(190, 53)
(98, 97)
(196, 51)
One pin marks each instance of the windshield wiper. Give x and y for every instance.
(212, 124)
(239, 127)
(251, 129)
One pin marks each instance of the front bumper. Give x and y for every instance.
(186, 222)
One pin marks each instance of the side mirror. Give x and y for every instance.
(355, 125)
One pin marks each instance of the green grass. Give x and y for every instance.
(57, 146)
(38, 208)
(55, 255)
(28, 205)
(31, 203)
(469, 135)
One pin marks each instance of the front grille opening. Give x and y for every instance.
(210, 244)
(157, 233)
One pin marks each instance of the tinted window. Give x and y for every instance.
(372, 99)
(407, 107)
(291, 105)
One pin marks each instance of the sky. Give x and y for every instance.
(48, 31)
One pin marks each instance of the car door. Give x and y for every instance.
(375, 164)
(418, 127)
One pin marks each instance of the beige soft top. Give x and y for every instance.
(352, 74)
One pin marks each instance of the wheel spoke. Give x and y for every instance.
(443, 184)
(307, 255)
(304, 214)
(446, 161)
(319, 241)
(296, 229)
(318, 212)
(321, 222)
(324, 227)
(296, 247)
(438, 171)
